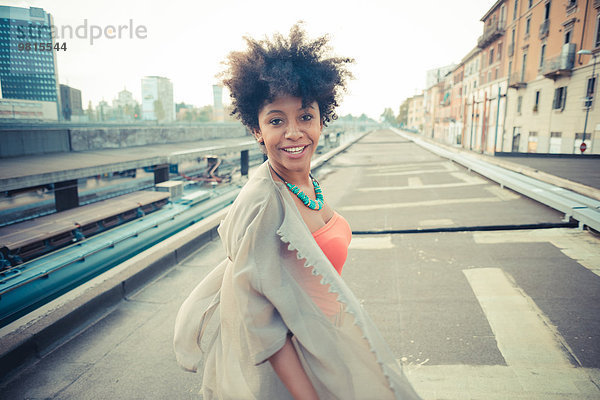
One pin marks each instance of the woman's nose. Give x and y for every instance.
(293, 132)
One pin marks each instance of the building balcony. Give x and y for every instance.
(544, 29)
(517, 80)
(561, 65)
(490, 34)
(596, 3)
(511, 49)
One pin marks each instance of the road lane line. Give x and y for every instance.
(414, 172)
(518, 324)
(409, 187)
(371, 243)
(415, 182)
(430, 203)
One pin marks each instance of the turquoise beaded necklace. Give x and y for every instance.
(308, 202)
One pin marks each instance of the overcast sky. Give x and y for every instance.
(393, 42)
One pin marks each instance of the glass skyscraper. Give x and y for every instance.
(27, 67)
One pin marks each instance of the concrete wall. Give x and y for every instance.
(39, 140)
(35, 141)
(83, 139)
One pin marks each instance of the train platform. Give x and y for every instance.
(42, 169)
(479, 291)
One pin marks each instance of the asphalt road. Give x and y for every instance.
(503, 314)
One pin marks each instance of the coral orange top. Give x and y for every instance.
(334, 239)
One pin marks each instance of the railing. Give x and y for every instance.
(517, 80)
(544, 29)
(561, 65)
(490, 34)
(584, 209)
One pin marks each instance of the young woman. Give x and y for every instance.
(287, 326)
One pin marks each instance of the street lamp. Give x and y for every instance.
(588, 105)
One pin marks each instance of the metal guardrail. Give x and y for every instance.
(574, 205)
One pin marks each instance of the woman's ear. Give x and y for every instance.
(258, 135)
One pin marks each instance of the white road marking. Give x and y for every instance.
(521, 333)
(371, 242)
(436, 222)
(497, 382)
(415, 166)
(414, 172)
(578, 245)
(429, 203)
(501, 193)
(538, 368)
(433, 186)
(415, 182)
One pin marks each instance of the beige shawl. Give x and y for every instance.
(268, 287)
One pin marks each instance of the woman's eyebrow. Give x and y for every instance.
(300, 109)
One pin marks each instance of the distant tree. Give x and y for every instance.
(402, 118)
(137, 112)
(205, 114)
(388, 116)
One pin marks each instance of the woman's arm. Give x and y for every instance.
(287, 366)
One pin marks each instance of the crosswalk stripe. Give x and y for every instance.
(430, 203)
(522, 336)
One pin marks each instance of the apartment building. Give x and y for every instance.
(551, 98)
(415, 113)
(489, 99)
(528, 86)
(470, 85)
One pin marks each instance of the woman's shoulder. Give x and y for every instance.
(258, 199)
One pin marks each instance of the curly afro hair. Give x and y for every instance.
(293, 66)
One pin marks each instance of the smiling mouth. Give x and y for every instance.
(295, 150)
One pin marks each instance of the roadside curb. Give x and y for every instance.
(522, 169)
(35, 335)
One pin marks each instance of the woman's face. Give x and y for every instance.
(290, 133)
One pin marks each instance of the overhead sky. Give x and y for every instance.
(394, 42)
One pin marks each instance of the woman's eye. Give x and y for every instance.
(276, 121)
(307, 117)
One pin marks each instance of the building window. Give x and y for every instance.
(568, 37)
(597, 44)
(547, 11)
(524, 67)
(532, 142)
(560, 98)
(555, 142)
(515, 10)
(489, 76)
(500, 51)
(527, 26)
(542, 54)
(589, 93)
(516, 138)
(536, 101)
(496, 73)
(519, 104)
(530, 3)
(591, 87)
(491, 56)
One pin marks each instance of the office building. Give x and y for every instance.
(28, 69)
(157, 99)
(70, 99)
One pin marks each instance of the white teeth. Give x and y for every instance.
(294, 150)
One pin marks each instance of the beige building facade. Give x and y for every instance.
(547, 106)
(529, 85)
